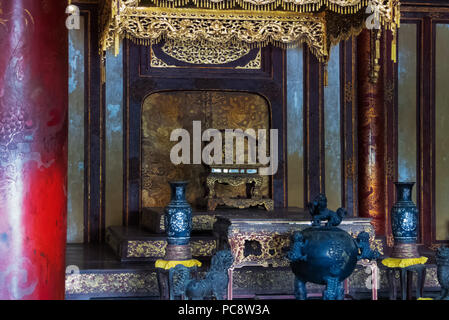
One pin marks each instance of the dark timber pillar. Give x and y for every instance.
(371, 137)
(33, 148)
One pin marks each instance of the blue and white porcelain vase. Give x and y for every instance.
(178, 215)
(404, 222)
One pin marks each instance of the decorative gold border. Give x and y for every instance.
(146, 26)
(301, 6)
(156, 248)
(254, 64)
(288, 27)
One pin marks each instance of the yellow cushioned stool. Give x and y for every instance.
(168, 264)
(406, 267)
(163, 274)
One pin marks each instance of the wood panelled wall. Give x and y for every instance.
(425, 15)
(94, 178)
(140, 80)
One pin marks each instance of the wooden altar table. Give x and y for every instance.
(260, 238)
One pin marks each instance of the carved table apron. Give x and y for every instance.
(262, 239)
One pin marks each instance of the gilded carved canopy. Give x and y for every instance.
(318, 23)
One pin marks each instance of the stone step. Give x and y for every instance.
(101, 275)
(95, 272)
(138, 244)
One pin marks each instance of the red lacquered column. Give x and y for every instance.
(370, 135)
(33, 148)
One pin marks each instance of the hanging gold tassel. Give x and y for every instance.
(116, 44)
(393, 49)
(377, 49)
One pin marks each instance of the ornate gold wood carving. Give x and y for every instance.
(241, 22)
(191, 52)
(158, 63)
(112, 282)
(254, 64)
(235, 180)
(256, 29)
(207, 54)
(270, 239)
(375, 58)
(156, 248)
(341, 6)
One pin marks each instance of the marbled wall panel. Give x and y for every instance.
(75, 184)
(407, 129)
(114, 139)
(441, 132)
(295, 128)
(332, 135)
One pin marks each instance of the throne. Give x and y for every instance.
(236, 175)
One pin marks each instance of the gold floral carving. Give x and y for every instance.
(156, 248)
(375, 58)
(166, 111)
(274, 244)
(206, 26)
(192, 52)
(207, 54)
(377, 244)
(236, 180)
(254, 64)
(246, 280)
(141, 249)
(241, 203)
(203, 222)
(339, 6)
(159, 63)
(107, 283)
(271, 245)
(241, 22)
(343, 27)
(203, 248)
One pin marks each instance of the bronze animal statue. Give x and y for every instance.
(296, 252)
(213, 285)
(319, 211)
(442, 258)
(365, 251)
(326, 256)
